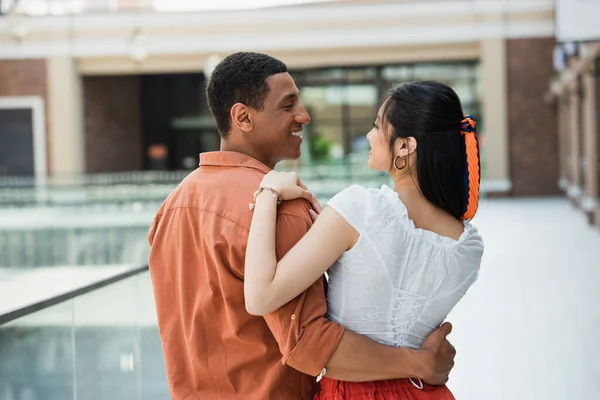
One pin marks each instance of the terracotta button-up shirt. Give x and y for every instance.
(213, 348)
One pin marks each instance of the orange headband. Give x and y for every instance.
(472, 177)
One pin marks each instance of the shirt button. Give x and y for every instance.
(293, 316)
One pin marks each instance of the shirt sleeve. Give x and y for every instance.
(306, 338)
(350, 203)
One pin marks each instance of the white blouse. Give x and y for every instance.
(398, 283)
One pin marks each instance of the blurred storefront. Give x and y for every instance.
(576, 90)
(343, 101)
(121, 88)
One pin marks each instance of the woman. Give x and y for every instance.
(398, 260)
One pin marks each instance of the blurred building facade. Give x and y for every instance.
(575, 88)
(99, 89)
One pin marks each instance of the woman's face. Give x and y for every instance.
(379, 156)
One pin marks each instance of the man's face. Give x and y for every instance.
(276, 129)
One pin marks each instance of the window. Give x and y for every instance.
(342, 102)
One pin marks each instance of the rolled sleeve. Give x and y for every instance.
(306, 339)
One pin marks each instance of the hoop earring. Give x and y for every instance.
(396, 163)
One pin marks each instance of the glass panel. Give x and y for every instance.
(358, 132)
(325, 131)
(36, 355)
(16, 142)
(39, 246)
(362, 100)
(443, 72)
(152, 373)
(397, 74)
(465, 91)
(104, 343)
(325, 140)
(478, 82)
(362, 74)
(107, 357)
(322, 76)
(322, 102)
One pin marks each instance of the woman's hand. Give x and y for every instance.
(289, 187)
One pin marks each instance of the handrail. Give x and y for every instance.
(54, 300)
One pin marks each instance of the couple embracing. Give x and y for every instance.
(239, 251)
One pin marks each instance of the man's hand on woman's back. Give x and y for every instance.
(438, 356)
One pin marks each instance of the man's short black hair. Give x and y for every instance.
(240, 78)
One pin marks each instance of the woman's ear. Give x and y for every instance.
(241, 117)
(412, 144)
(405, 146)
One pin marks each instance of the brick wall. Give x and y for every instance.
(113, 140)
(533, 124)
(26, 78)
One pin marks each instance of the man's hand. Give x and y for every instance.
(438, 356)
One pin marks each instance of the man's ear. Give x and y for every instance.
(241, 117)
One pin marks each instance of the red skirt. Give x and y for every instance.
(403, 389)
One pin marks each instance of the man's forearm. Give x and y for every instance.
(360, 359)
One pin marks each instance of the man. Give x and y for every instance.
(213, 348)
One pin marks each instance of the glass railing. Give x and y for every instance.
(111, 190)
(55, 246)
(100, 189)
(97, 340)
(103, 219)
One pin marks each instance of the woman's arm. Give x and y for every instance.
(268, 284)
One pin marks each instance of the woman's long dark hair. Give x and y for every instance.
(431, 112)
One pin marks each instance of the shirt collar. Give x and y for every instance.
(231, 159)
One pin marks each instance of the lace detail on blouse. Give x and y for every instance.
(407, 309)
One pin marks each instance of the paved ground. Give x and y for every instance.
(530, 327)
